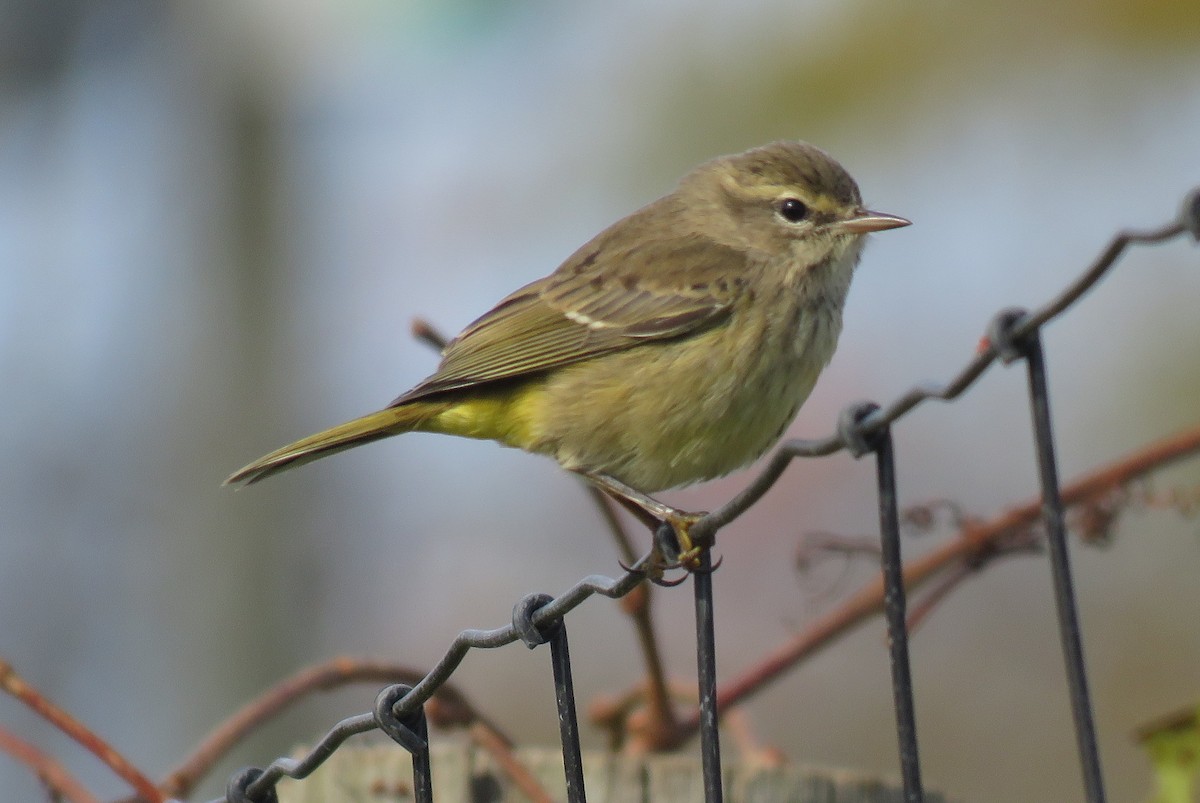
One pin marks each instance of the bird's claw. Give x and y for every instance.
(673, 537)
(654, 569)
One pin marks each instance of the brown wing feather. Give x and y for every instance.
(602, 299)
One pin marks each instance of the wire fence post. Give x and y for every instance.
(555, 632)
(1029, 347)
(410, 731)
(880, 442)
(706, 666)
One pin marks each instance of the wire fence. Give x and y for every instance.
(863, 429)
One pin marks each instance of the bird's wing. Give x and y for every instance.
(602, 299)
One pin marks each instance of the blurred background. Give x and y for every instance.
(217, 220)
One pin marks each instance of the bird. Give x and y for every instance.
(674, 347)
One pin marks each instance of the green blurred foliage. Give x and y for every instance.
(1174, 750)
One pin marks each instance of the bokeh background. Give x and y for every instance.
(218, 218)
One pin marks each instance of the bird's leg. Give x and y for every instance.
(654, 514)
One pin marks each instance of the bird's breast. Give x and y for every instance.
(676, 412)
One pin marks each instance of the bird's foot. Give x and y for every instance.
(673, 542)
(674, 546)
(689, 560)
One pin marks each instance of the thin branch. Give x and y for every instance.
(1021, 540)
(1180, 720)
(951, 579)
(13, 684)
(750, 748)
(821, 543)
(60, 783)
(612, 715)
(637, 604)
(626, 714)
(605, 505)
(974, 538)
(425, 332)
(451, 707)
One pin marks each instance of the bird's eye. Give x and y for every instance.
(792, 210)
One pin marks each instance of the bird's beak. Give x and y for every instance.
(865, 221)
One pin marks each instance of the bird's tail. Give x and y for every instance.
(383, 424)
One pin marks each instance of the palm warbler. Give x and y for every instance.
(674, 347)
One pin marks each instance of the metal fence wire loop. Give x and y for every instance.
(405, 729)
(522, 620)
(1004, 335)
(852, 430)
(240, 782)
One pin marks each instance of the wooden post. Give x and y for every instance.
(382, 773)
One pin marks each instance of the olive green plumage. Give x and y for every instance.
(673, 347)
